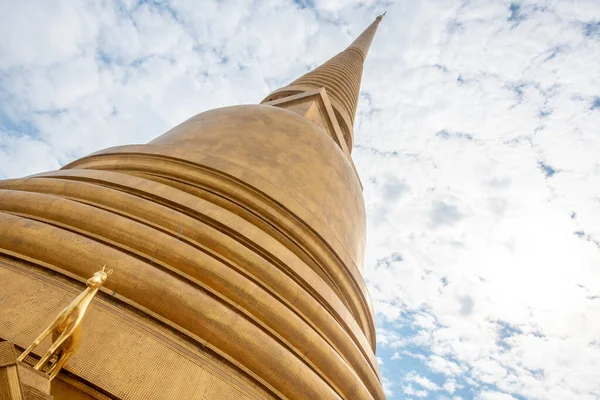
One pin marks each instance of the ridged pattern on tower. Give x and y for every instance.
(341, 77)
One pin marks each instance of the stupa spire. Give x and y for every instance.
(340, 77)
(363, 42)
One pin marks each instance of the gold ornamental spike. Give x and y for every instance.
(340, 76)
(66, 328)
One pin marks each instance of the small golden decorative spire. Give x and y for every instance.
(363, 42)
(66, 328)
(340, 76)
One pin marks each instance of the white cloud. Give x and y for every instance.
(488, 395)
(485, 235)
(450, 386)
(387, 386)
(43, 33)
(13, 164)
(409, 390)
(398, 355)
(444, 366)
(421, 381)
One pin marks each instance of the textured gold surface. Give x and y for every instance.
(35, 384)
(10, 387)
(30, 393)
(135, 358)
(237, 242)
(8, 356)
(9, 383)
(73, 390)
(19, 381)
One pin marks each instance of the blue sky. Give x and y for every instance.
(476, 141)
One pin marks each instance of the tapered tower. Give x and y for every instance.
(236, 240)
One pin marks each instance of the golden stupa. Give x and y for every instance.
(236, 240)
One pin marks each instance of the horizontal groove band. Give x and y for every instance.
(200, 180)
(127, 235)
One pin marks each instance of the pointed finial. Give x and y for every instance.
(340, 77)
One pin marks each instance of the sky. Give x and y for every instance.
(477, 142)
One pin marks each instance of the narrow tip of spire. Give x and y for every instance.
(340, 77)
(380, 17)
